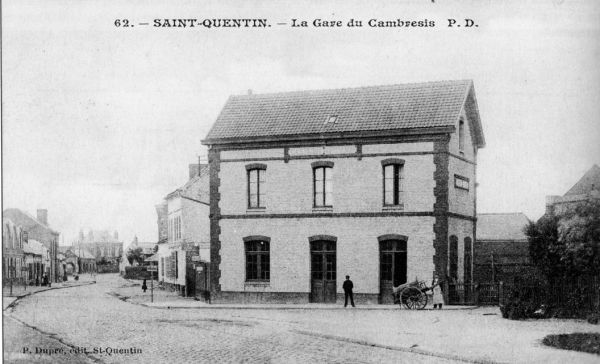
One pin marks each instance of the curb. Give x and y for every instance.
(17, 298)
(291, 307)
(52, 335)
(398, 348)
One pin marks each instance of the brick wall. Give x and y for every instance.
(357, 250)
(462, 229)
(357, 185)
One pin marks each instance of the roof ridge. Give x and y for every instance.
(350, 88)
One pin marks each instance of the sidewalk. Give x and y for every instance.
(20, 291)
(132, 293)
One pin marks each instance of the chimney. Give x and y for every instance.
(42, 216)
(249, 91)
(194, 170)
(116, 235)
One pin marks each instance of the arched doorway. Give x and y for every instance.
(392, 265)
(323, 270)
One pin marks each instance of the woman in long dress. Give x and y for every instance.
(438, 297)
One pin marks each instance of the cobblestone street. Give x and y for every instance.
(90, 318)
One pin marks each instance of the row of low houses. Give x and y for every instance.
(304, 188)
(31, 251)
(30, 248)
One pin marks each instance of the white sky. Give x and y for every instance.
(99, 123)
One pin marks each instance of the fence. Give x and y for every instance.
(580, 293)
(461, 293)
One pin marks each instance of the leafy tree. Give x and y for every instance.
(545, 250)
(567, 244)
(579, 230)
(135, 254)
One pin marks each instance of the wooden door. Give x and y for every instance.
(392, 268)
(323, 272)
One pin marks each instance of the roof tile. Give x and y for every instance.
(374, 108)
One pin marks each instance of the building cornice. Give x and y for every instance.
(319, 139)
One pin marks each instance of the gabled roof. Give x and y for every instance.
(20, 217)
(195, 188)
(298, 114)
(590, 181)
(502, 226)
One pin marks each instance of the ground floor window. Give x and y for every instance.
(453, 258)
(257, 260)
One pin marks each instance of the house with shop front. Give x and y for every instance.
(373, 182)
(184, 215)
(37, 261)
(38, 229)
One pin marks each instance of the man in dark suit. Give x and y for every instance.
(347, 286)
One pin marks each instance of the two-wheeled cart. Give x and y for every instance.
(411, 295)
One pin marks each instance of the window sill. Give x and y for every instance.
(323, 209)
(257, 283)
(254, 286)
(256, 210)
(393, 208)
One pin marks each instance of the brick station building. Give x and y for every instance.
(374, 182)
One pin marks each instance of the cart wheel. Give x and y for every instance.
(413, 299)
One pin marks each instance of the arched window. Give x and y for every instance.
(258, 264)
(453, 258)
(461, 135)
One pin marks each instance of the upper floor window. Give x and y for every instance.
(461, 135)
(258, 263)
(461, 182)
(322, 184)
(256, 185)
(175, 228)
(393, 175)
